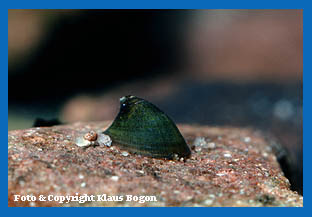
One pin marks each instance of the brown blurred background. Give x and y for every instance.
(217, 67)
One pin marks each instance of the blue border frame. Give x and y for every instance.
(160, 4)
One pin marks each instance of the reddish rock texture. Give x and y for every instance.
(228, 167)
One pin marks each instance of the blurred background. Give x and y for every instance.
(214, 67)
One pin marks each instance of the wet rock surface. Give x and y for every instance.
(228, 167)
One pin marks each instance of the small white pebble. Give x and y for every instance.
(212, 196)
(220, 174)
(140, 171)
(239, 202)
(199, 141)
(32, 204)
(124, 153)
(81, 142)
(83, 184)
(115, 178)
(268, 148)
(104, 140)
(208, 202)
(176, 192)
(21, 183)
(39, 149)
(29, 133)
(197, 192)
(247, 139)
(290, 199)
(175, 157)
(81, 176)
(188, 198)
(227, 155)
(264, 154)
(211, 145)
(198, 149)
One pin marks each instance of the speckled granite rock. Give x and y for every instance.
(228, 167)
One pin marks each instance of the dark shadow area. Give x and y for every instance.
(98, 49)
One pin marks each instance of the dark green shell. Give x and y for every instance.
(140, 127)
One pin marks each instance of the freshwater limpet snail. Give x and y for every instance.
(140, 127)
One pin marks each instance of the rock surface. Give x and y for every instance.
(228, 167)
